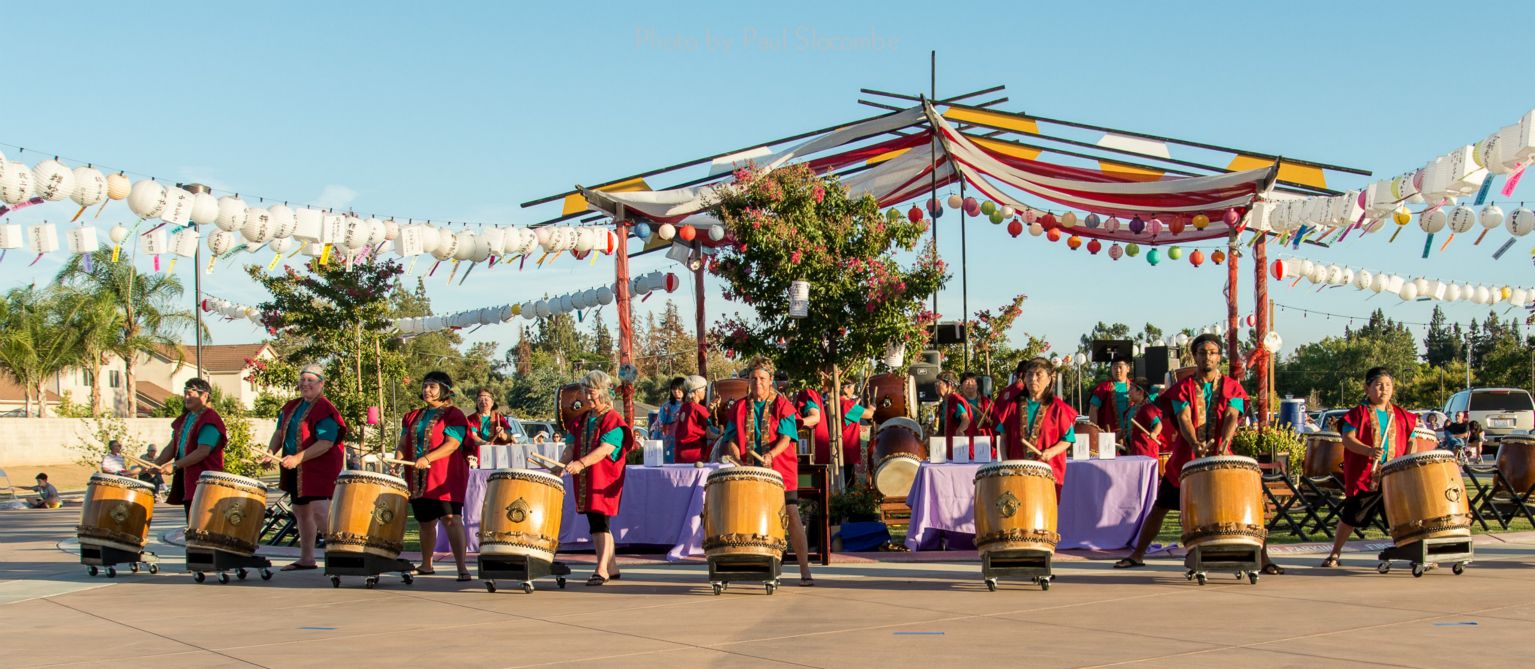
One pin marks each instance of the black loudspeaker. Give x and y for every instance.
(926, 376)
(1106, 350)
(950, 332)
(1156, 363)
(931, 357)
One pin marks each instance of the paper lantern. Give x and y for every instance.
(529, 310)
(82, 240)
(1520, 222)
(988, 208)
(1053, 234)
(1422, 285)
(147, 199)
(1049, 220)
(428, 237)
(1519, 297)
(90, 187)
(53, 181)
(687, 233)
(1401, 216)
(464, 247)
(1483, 295)
(283, 220)
(1279, 268)
(1153, 257)
(1306, 267)
(1272, 342)
(1432, 220)
(117, 234)
(184, 244)
(1030, 216)
(1201, 221)
(1154, 226)
(1461, 219)
(1452, 292)
(377, 232)
(972, 207)
(1491, 216)
(220, 241)
(1074, 242)
(1363, 279)
(205, 209)
(1015, 228)
(494, 239)
(1137, 226)
(667, 231)
(1176, 225)
(391, 230)
(996, 218)
(1094, 247)
(16, 182)
(1115, 252)
(1394, 283)
(279, 246)
(1408, 293)
(1092, 221)
(258, 225)
(1035, 229)
(1132, 250)
(1175, 253)
(10, 236)
(119, 186)
(605, 295)
(1196, 258)
(178, 206)
(1232, 217)
(231, 214)
(1069, 220)
(1318, 273)
(1334, 275)
(1218, 256)
(716, 232)
(914, 214)
(482, 250)
(1007, 211)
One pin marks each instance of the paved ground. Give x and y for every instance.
(861, 613)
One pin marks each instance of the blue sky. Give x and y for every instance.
(460, 112)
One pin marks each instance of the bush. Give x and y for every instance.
(103, 429)
(1280, 441)
(857, 504)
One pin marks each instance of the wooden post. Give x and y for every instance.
(1262, 366)
(625, 314)
(698, 315)
(833, 411)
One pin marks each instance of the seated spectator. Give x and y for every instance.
(151, 474)
(114, 462)
(47, 495)
(1456, 433)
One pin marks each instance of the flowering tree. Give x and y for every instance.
(790, 224)
(989, 330)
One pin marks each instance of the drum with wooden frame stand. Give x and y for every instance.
(745, 527)
(520, 528)
(1221, 507)
(1429, 514)
(224, 526)
(366, 528)
(1015, 521)
(114, 525)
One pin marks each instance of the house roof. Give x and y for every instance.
(218, 358)
(10, 391)
(153, 394)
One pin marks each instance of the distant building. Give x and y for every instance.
(160, 377)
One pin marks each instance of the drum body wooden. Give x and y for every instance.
(723, 396)
(1222, 502)
(893, 396)
(367, 515)
(1423, 440)
(522, 514)
(1324, 454)
(1516, 461)
(1425, 497)
(899, 450)
(744, 513)
(570, 405)
(117, 512)
(1015, 507)
(227, 513)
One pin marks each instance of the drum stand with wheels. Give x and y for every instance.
(521, 568)
(748, 568)
(201, 561)
(1241, 559)
(1455, 550)
(95, 556)
(367, 565)
(1023, 563)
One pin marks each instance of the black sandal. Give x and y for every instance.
(464, 576)
(1273, 569)
(596, 580)
(1129, 563)
(299, 567)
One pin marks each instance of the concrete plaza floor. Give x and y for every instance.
(860, 614)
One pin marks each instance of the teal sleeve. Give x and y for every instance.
(454, 432)
(327, 430)
(729, 435)
(614, 438)
(959, 410)
(1178, 407)
(854, 414)
(208, 436)
(1096, 401)
(1155, 421)
(812, 404)
(1237, 403)
(1346, 428)
(1071, 437)
(788, 427)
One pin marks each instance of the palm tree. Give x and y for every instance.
(100, 324)
(43, 336)
(151, 321)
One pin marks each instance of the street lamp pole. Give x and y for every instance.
(197, 278)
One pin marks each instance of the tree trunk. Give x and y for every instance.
(26, 396)
(98, 361)
(42, 397)
(834, 430)
(133, 387)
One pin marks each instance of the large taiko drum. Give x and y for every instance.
(117, 512)
(1423, 440)
(893, 396)
(723, 396)
(898, 452)
(1324, 455)
(1516, 461)
(1015, 507)
(367, 515)
(744, 513)
(570, 405)
(522, 514)
(227, 513)
(1222, 502)
(1425, 497)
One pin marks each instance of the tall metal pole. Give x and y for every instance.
(932, 213)
(1233, 348)
(698, 314)
(964, 279)
(197, 278)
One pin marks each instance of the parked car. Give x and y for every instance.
(533, 428)
(1501, 411)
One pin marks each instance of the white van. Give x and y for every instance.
(1501, 411)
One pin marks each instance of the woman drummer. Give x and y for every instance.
(432, 437)
(595, 461)
(690, 431)
(487, 427)
(1037, 425)
(765, 424)
(1373, 434)
(309, 435)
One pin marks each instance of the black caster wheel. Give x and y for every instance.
(1044, 584)
(991, 584)
(527, 588)
(1252, 578)
(111, 572)
(1384, 567)
(92, 570)
(560, 582)
(407, 578)
(1458, 569)
(266, 574)
(199, 576)
(223, 578)
(770, 587)
(241, 573)
(1418, 570)
(490, 586)
(370, 583)
(1201, 578)
(1189, 576)
(134, 567)
(335, 581)
(154, 568)
(717, 588)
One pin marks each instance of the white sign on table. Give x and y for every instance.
(655, 452)
(981, 449)
(1106, 446)
(937, 451)
(1081, 449)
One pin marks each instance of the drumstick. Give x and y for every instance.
(1030, 446)
(1142, 428)
(759, 457)
(546, 462)
(731, 459)
(140, 462)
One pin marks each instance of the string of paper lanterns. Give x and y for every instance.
(550, 306)
(1408, 289)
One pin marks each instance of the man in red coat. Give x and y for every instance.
(690, 429)
(813, 418)
(764, 426)
(1110, 404)
(310, 434)
(197, 443)
(432, 438)
(1373, 434)
(1037, 425)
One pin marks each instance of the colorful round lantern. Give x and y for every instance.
(1154, 226)
(667, 231)
(1049, 220)
(1279, 268)
(1218, 257)
(1132, 249)
(1115, 251)
(1092, 221)
(1201, 221)
(1094, 247)
(1153, 257)
(1015, 228)
(1053, 234)
(955, 202)
(1069, 219)
(687, 233)
(1401, 216)
(1137, 226)
(988, 208)
(1074, 242)
(1196, 258)
(1112, 225)
(1175, 253)
(972, 207)
(1176, 225)
(1035, 229)
(914, 214)
(996, 217)
(1232, 217)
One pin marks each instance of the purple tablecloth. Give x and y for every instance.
(661, 506)
(1103, 503)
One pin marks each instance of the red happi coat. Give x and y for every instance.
(1053, 422)
(1190, 391)
(496, 420)
(1140, 442)
(600, 487)
(950, 426)
(1005, 396)
(213, 463)
(822, 430)
(447, 480)
(1107, 416)
(317, 477)
(1356, 467)
(983, 420)
(691, 433)
(787, 462)
(852, 434)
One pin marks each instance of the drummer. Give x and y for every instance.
(308, 431)
(1373, 433)
(487, 427)
(764, 424)
(812, 419)
(1037, 425)
(595, 461)
(1145, 425)
(432, 438)
(1007, 394)
(955, 414)
(1110, 405)
(691, 429)
(1207, 407)
(197, 443)
(970, 389)
(853, 414)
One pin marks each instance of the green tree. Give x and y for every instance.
(1333, 368)
(1442, 344)
(42, 333)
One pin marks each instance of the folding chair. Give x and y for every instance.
(7, 490)
(1481, 481)
(281, 528)
(1289, 510)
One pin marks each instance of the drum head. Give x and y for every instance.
(121, 481)
(360, 476)
(901, 421)
(894, 476)
(231, 479)
(528, 475)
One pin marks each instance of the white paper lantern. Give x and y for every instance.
(541, 308)
(1451, 292)
(1036, 229)
(447, 245)
(494, 240)
(231, 216)
(667, 231)
(1334, 275)
(53, 181)
(430, 239)
(1318, 273)
(1461, 219)
(1483, 295)
(90, 187)
(1379, 283)
(117, 234)
(258, 225)
(717, 232)
(1519, 297)
(16, 183)
(1435, 290)
(205, 209)
(1432, 220)
(1306, 267)
(377, 232)
(481, 251)
(147, 199)
(279, 245)
(584, 241)
(527, 311)
(178, 206)
(11, 236)
(185, 243)
(354, 233)
(1348, 277)
(1363, 279)
(604, 295)
(284, 221)
(220, 241)
(1492, 216)
(83, 239)
(308, 224)
(464, 249)
(1421, 286)
(1408, 293)
(1521, 222)
(118, 186)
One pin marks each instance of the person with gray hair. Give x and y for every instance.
(309, 438)
(691, 432)
(595, 461)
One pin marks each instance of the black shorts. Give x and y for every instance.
(1360, 510)
(596, 522)
(1169, 496)
(287, 481)
(428, 510)
(791, 497)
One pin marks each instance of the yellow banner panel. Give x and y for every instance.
(1128, 172)
(575, 204)
(1004, 148)
(993, 119)
(1295, 174)
(885, 156)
